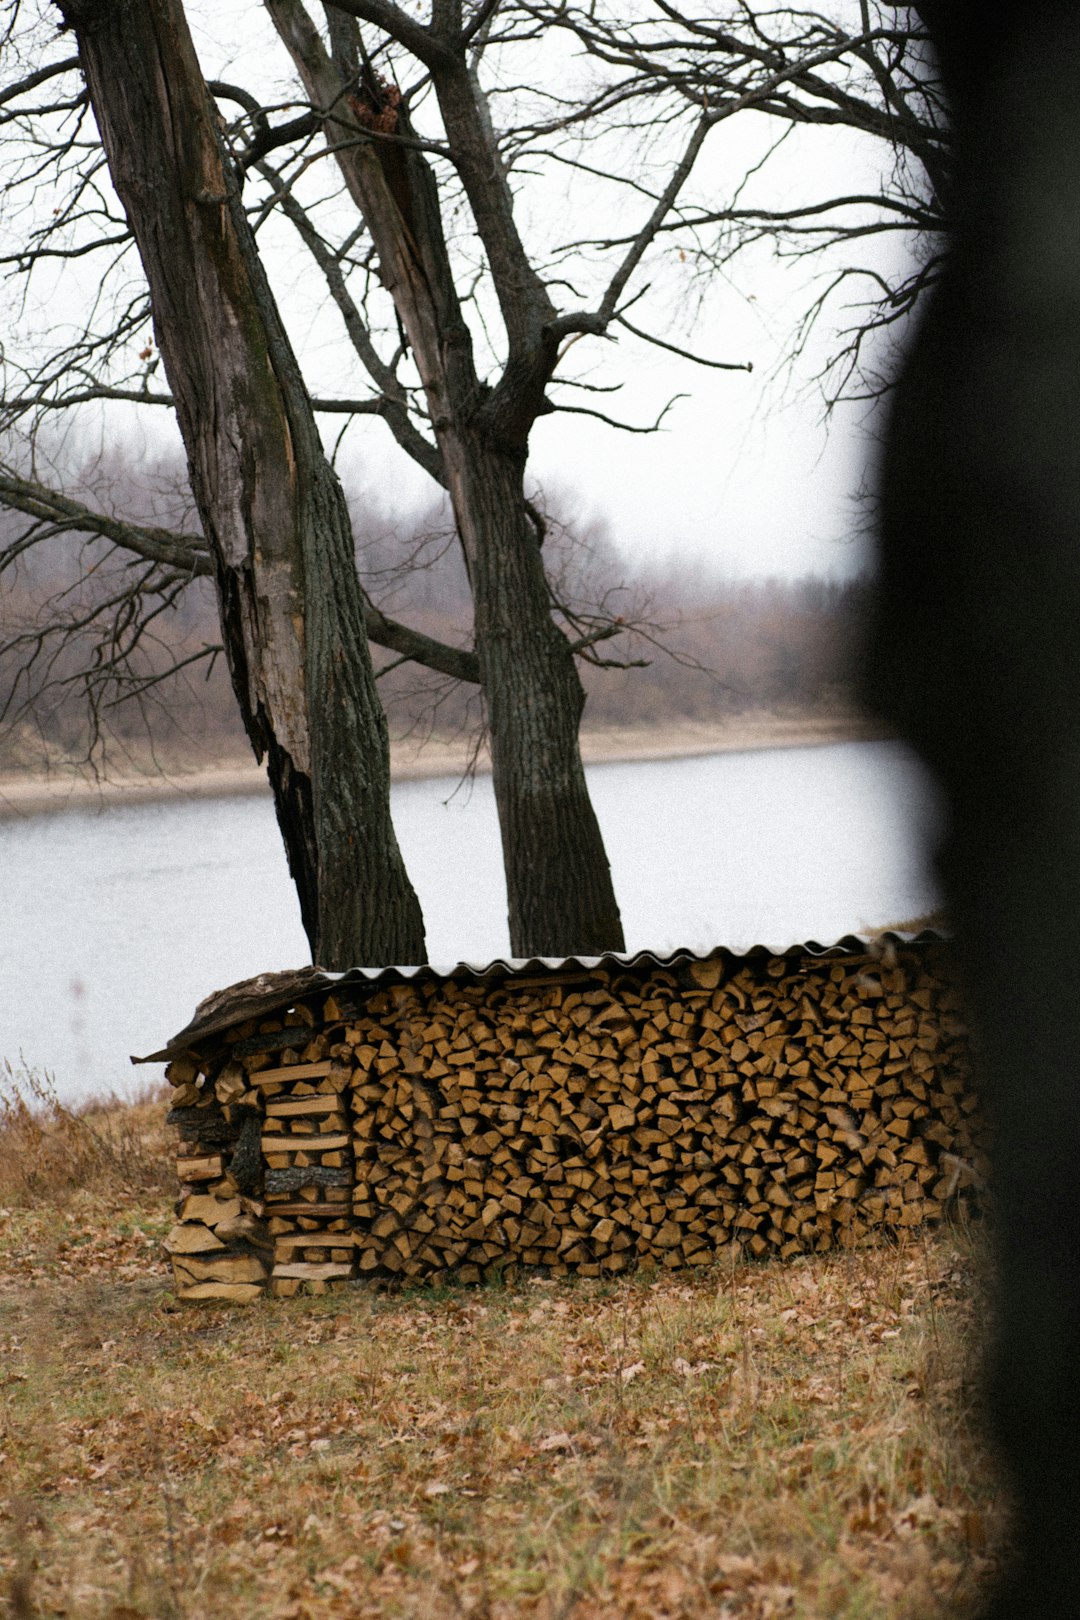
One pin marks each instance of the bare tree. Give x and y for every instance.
(278, 540)
(459, 328)
(861, 66)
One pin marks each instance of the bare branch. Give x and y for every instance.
(376, 405)
(137, 686)
(185, 553)
(52, 70)
(597, 322)
(686, 354)
(269, 138)
(189, 557)
(392, 401)
(604, 634)
(427, 46)
(459, 664)
(624, 427)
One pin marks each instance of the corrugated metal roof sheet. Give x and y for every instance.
(269, 992)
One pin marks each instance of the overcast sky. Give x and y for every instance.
(739, 475)
(745, 471)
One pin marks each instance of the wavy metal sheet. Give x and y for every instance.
(269, 992)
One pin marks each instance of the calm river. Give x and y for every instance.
(116, 922)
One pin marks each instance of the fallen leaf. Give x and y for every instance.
(734, 1564)
(556, 1442)
(686, 1370)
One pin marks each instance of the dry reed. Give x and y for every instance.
(50, 1149)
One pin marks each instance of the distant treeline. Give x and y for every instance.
(700, 646)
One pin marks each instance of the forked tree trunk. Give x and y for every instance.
(561, 897)
(272, 509)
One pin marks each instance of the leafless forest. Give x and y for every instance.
(84, 675)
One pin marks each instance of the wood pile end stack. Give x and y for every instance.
(584, 1119)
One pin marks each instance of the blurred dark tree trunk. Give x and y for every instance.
(273, 513)
(976, 659)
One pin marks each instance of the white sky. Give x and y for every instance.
(737, 476)
(745, 473)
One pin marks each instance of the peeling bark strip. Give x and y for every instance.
(272, 510)
(561, 897)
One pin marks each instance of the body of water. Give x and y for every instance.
(116, 922)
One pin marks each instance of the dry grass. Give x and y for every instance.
(758, 1441)
(49, 1151)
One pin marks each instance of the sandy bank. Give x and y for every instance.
(36, 793)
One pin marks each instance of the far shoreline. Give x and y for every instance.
(37, 792)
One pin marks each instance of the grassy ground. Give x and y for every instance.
(743, 1441)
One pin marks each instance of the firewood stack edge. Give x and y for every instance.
(581, 1118)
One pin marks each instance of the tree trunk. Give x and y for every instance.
(561, 897)
(558, 880)
(272, 510)
(974, 660)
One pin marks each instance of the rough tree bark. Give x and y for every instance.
(272, 510)
(561, 897)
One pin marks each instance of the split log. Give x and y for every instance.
(204, 1168)
(294, 1071)
(303, 1143)
(226, 1268)
(305, 1107)
(319, 1273)
(205, 1207)
(191, 1237)
(275, 1040)
(202, 1121)
(236, 1293)
(310, 1175)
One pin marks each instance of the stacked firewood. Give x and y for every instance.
(220, 1246)
(305, 1150)
(587, 1124)
(589, 1119)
